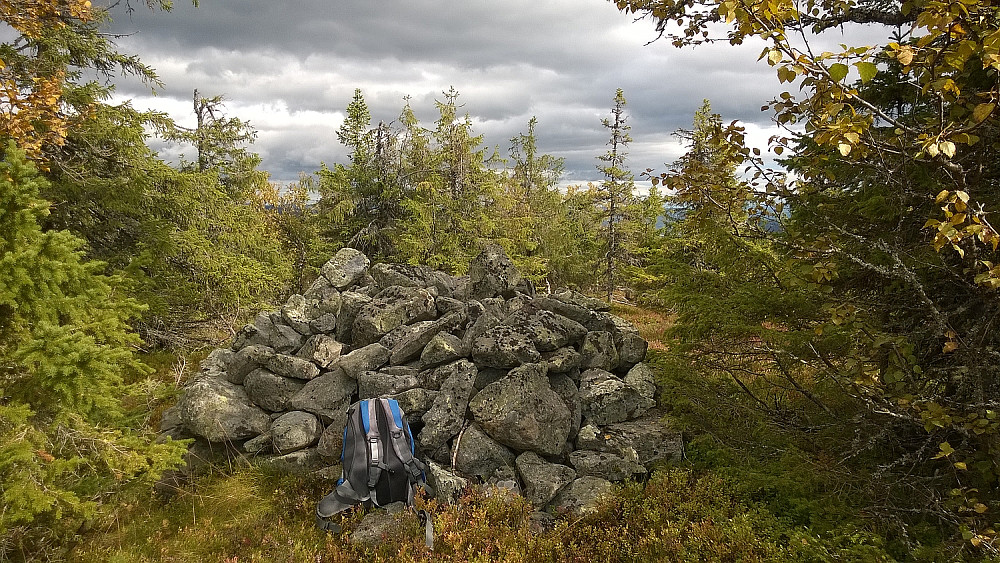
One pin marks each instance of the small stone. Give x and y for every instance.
(345, 268)
(542, 480)
(322, 350)
(294, 431)
(292, 366)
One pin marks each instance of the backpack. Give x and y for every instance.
(379, 465)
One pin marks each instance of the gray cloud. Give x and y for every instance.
(290, 68)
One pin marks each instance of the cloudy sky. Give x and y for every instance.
(290, 68)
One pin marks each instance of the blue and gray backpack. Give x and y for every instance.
(379, 463)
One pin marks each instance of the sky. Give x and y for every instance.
(290, 69)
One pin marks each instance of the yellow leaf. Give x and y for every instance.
(949, 347)
(942, 195)
(982, 111)
(980, 507)
(961, 466)
(905, 55)
(844, 148)
(948, 148)
(962, 196)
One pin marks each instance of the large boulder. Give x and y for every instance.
(269, 329)
(373, 384)
(363, 359)
(523, 412)
(327, 396)
(548, 331)
(442, 349)
(504, 347)
(293, 367)
(599, 351)
(346, 268)
(220, 411)
(270, 390)
(606, 399)
(390, 308)
(542, 480)
(492, 273)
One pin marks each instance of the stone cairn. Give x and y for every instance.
(542, 394)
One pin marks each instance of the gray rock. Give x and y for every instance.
(489, 375)
(492, 273)
(269, 330)
(298, 462)
(642, 379)
(220, 411)
(324, 324)
(647, 440)
(295, 313)
(406, 275)
(364, 359)
(372, 384)
(496, 307)
(327, 396)
(548, 331)
(598, 351)
(568, 392)
(542, 480)
(217, 362)
(605, 465)
(411, 343)
(259, 445)
(351, 303)
(292, 366)
(582, 496)
(523, 412)
(346, 268)
(415, 403)
(246, 360)
(390, 308)
(578, 299)
(269, 390)
(447, 305)
(383, 526)
(443, 348)
(606, 399)
(563, 360)
(541, 522)
(583, 315)
(503, 347)
(294, 431)
(322, 350)
(447, 486)
(446, 417)
(331, 442)
(475, 453)
(480, 324)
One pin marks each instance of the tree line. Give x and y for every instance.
(841, 305)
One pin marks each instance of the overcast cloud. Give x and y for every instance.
(290, 68)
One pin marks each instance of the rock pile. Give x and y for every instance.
(545, 392)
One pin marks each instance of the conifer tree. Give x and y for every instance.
(65, 357)
(615, 197)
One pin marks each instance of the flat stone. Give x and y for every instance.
(503, 347)
(368, 358)
(605, 465)
(292, 366)
(563, 360)
(373, 384)
(443, 348)
(390, 308)
(247, 359)
(647, 440)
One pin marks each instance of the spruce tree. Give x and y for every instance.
(615, 197)
(66, 354)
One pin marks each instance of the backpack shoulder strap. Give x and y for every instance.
(401, 444)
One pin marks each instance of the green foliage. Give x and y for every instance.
(65, 351)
